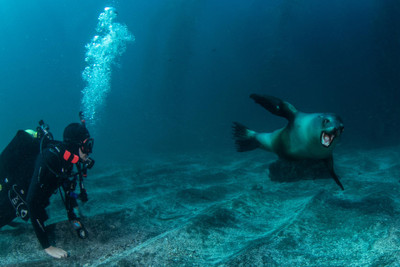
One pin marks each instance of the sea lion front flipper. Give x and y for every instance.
(329, 164)
(276, 106)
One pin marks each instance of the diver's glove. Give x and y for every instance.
(79, 228)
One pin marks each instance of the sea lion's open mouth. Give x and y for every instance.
(327, 139)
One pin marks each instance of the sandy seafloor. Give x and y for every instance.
(222, 209)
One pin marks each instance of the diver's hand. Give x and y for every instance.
(57, 253)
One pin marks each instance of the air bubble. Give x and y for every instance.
(101, 53)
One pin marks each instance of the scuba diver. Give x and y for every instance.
(33, 166)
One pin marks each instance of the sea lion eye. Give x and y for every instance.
(325, 121)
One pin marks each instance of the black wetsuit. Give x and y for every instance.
(34, 176)
(51, 172)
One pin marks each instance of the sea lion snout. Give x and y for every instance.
(333, 124)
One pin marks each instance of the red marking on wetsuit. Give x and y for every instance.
(75, 159)
(67, 154)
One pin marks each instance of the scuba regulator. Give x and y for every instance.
(43, 134)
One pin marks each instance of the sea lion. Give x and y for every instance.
(306, 136)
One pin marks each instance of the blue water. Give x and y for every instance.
(193, 64)
(170, 99)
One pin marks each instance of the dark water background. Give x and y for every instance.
(193, 65)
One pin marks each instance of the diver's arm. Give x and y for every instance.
(40, 230)
(36, 205)
(38, 199)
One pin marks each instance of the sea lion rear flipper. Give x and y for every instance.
(244, 138)
(329, 164)
(275, 105)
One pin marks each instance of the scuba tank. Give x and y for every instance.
(17, 163)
